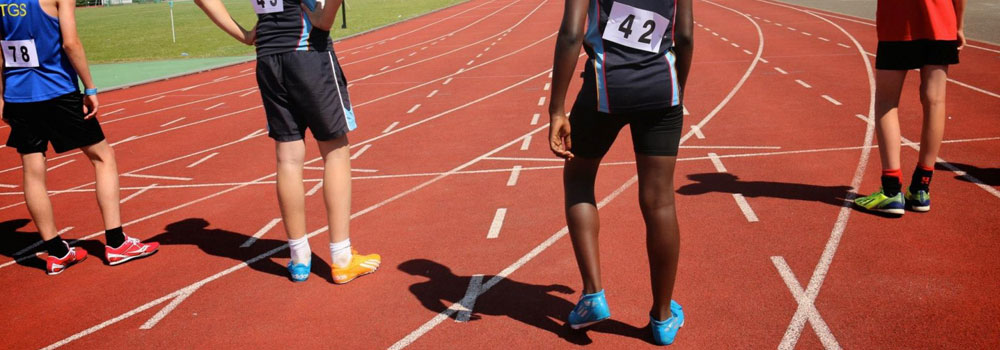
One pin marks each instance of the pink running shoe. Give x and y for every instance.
(55, 266)
(131, 249)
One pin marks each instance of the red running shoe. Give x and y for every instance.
(55, 266)
(131, 249)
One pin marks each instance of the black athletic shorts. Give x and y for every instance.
(906, 55)
(304, 89)
(654, 133)
(59, 120)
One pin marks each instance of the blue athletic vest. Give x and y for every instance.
(630, 66)
(24, 22)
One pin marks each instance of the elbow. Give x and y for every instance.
(683, 39)
(569, 39)
(71, 46)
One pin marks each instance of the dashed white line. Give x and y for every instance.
(541, 101)
(60, 165)
(360, 151)
(806, 33)
(389, 128)
(413, 109)
(432, 94)
(155, 98)
(843, 45)
(534, 118)
(479, 55)
(748, 52)
(460, 70)
(158, 177)
(790, 28)
(526, 143)
(137, 193)
(248, 93)
(782, 71)
(764, 60)
(470, 62)
(202, 160)
(487, 48)
(172, 121)
(833, 101)
(514, 174)
(822, 38)
(412, 53)
(724, 39)
(383, 68)
(215, 106)
(735, 45)
(778, 24)
(112, 112)
(714, 33)
(318, 186)
(446, 81)
(497, 223)
(250, 241)
(547, 87)
(745, 207)
(807, 86)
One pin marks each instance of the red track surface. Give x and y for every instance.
(427, 191)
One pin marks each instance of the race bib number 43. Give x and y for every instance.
(635, 27)
(268, 6)
(19, 53)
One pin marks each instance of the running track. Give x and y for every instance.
(455, 186)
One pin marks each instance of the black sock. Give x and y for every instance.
(891, 185)
(56, 247)
(114, 237)
(921, 179)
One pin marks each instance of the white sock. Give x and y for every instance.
(300, 251)
(341, 253)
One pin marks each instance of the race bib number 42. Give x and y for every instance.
(19, 53)
(635, 27)
(267, 6)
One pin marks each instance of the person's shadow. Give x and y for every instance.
(988, 176)
(222, 243)
(729, 183)
(21, 246)
(528, 303)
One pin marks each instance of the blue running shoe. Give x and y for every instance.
(919, 200)
(591, 308)
(299, 272)
(665, 331)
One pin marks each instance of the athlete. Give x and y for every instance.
(303, 87)
(42, 60)
(912, 34)
(639, 54)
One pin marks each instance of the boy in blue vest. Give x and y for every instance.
(42, 60)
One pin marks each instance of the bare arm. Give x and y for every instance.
(74, 52)
(960, 19)
(325, 14)
(1, 88)
(567, 53)
(217, 12)
(683, 41)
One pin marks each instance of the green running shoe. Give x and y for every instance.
(919, 201)
(879, 202)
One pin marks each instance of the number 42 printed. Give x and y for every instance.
(635, 27)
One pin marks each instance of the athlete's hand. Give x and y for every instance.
(250, 36)
(559, 136)
(1, 111)
(961, 39)
(90, 106)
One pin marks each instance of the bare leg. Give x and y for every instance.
(656, 199)
(337, 186)
(106, 174)
(291, 194)
(933, 80)
(36, 194)
(582, 219)
(888, 85)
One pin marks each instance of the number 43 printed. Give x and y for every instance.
(635, 27)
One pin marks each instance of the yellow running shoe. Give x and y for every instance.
(360, 265)
(879, 202)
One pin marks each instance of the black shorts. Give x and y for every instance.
(59, 120)
(304, 89)
(906, 55)
(654, 133)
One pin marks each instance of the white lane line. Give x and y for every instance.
(497, 224)
(748, 52)
(487, 48)
(61, 164)
(526, 143)
(167, 309)
(833, 101)
(807, 86)
(514, 174)
(460, 70)
(224, 77)
(389, 128)
(423, 48)
(767, 20)
(685, 110)
(806, 33)
(822, 38)
(250, 241)
(7, 186)
(714, 33)
(172, 121)
(719, 167)
(127, 139)
(39, 243)
(413, 109)
(961, 173)
(790, 28)
(777, 24)
(782, 71)
(383, 68)
(202, 160)
(525, 159)
(447, 81)
(137, 193)
(318, 186)
(745, 207)
(400, 60)
(735, 45)
(364, 170)
(842, 45)
(730, 147)
(697, 132)
(541, 101)
(155, 99)
(360, 151)
(411, 54)
(805, 305)
(470, 62)
(763, 60)
(724, 39)
(468, 301)
(432, 94)
(158, 177)
(248, 93)
(112, 112)
(248, 70)
(990, 93)
(547, 87)
(215, 106)
(534, 118)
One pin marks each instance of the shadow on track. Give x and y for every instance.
(13, 241)
(989, 176)
(222, 243)
(531, 304)
(729, 183)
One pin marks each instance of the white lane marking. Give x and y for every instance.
(51, 193)
(389, 128)
(248, 70)
(423, 48)
(202, 160)
(167, 309)
(806, 33)
(804, 84)
(253, 134)
(112, 112)
(54, 167)
(158, 177)
(412, 53)
(248, 93)
(443, 315)
(224, 77)
(526, 143)
(432, 94)
(383, 68)
(127, 139)
(547, 87)
(730, 147)
(735, 45)
(137, 193)
(534, 118)
(745, 207)
(805, 305)
(155, 99)
(263, 230)
(460, 70)
(361, 151)
(514, 174)
(719, 167)
(782, 71)
(989, 93)
(214, 106)
(842, 45)
(39, 243)
(468, 301)
(364, 170)
(413, 109)
(172, 121)
(497, 224)
(790, 28)
(7, 185)
(763, 60)
(767, 20)
(714, 33)
(685, 110)
(487, 48)
(541, 101)
(470, 62)
(833, 101)
(525, 159)
(697, 132)
(748, 52)
(954, 169)
(724, 39)
(318, 186)
(446, 81)
(822, 38)
(400, 60)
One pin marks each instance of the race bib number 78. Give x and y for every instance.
(19, 53)
(635, 27)
(267, 6)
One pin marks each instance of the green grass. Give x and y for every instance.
(141, 32)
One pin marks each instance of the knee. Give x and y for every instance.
(100, 154)
(929, 98)
(651, 201)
